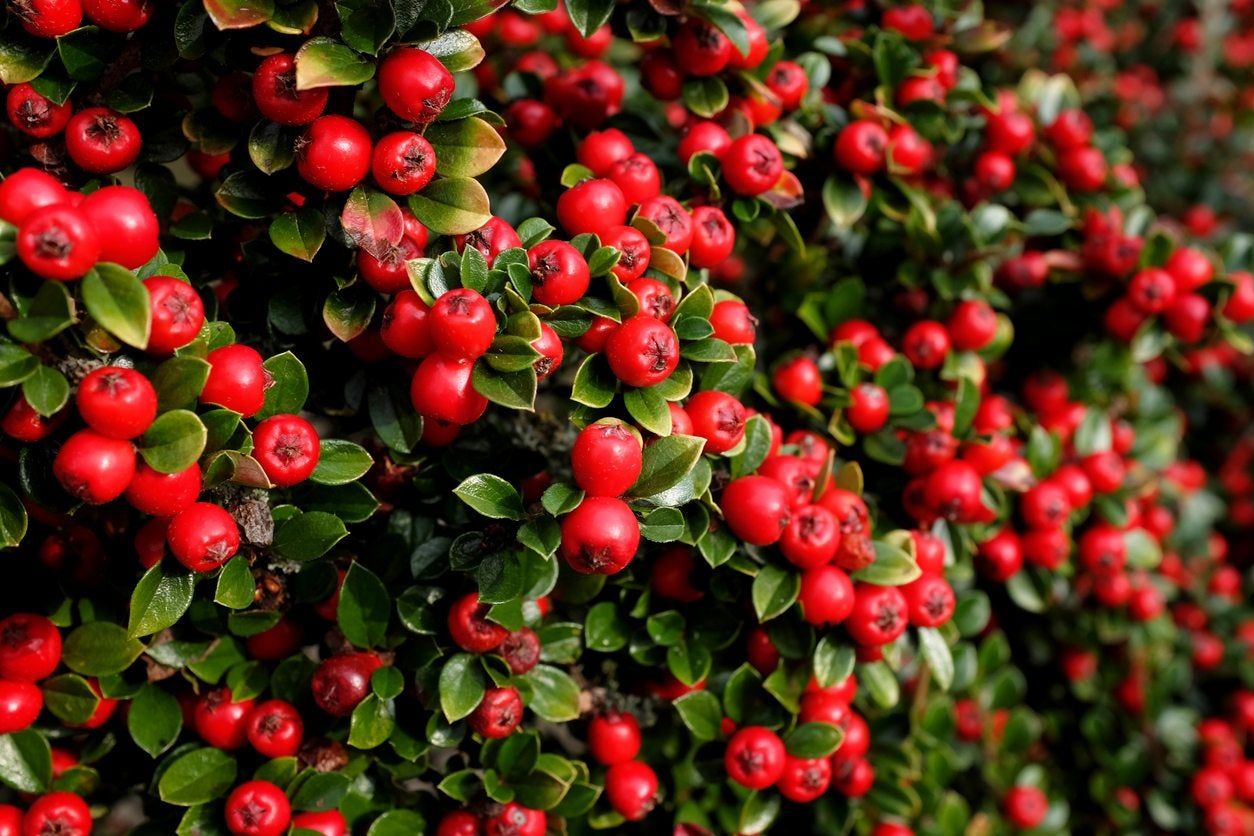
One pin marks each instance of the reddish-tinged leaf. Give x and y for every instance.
(239, 14)
(372, 221)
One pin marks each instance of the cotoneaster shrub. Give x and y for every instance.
(643, 416)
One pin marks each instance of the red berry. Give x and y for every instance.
(710, 137)
(49, 19)
(177, 314)
(594, 206)
(34, 115)
(334, 153)
(559, 274)
(498, 713)
(926, 344)
(531, 122)
(220, 720)
(521, 650)
(163, 494)
(342, 681)
(752, 165)
(275, 729)
(634, 252)
(125, 223)
(404, 326)
(516, 820)
(459, 823)
(1010, 132)
(287, 448)
(1189, 268)
(600, 150)
(606, 459)
(26, 190)
(237, 379)
(671, 219)
(442, 391)
(798, 380)
(868, 408)
(755, 757)
(912, 20)
(491, 239)
(700, 49)
(386, 273)
(470, 628)
(94, 468)
(972, 325)
(1000, 557)
(61, 813)
(733, 323)
(326, 823)
(756, 509)
(643, 351)
(102, 141)
(258, 808)
(908, 152)
(631, 788)
(879, 614)
(1187, 317)
(58, 242)
(276, 96)
(718, 418)
(826, 596)
(637, 177)
(600, 536)
(1072, 128)
(119, 15)
(117, 402)
(862, 146)
(203, 537)
(20, 704)
(1082, 169)
(414, 84)
(403, 163)
(930, 599)
(462, 324)
(805, 779)
(613, 737)
(713, 237)
(788, 81)
(1026, 807)
(549, 344)
(30, 647)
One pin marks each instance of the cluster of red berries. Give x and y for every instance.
(1223, 785)
(61, 234)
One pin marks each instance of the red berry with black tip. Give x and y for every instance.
(287, 447)
(755, 757)
(58, 242)
(117, 402)
(341, 682)
(102, 141)
(203, 537)
(177, 314)
(498, 713)
(600, 536)
(414, 84)
(606, 459)
(258, 808)
(643, 351)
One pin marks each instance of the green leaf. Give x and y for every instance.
(287, 394)
(372, 723)
(605, 629)
(347, 312)
(833, 661)
(757, 444)
(561, 498)
(663, 525)
(393, 416)
(666, 462)
(881, 683)
(365, 607)
(705, 96)
(174, 441)
(465, 148)
(325, 62)
(491, 496)
(939, 659)
(397, 823)
(118, 301)
(551, 693)
(452, 206)
(196, 777)
(155, 719)
(236, 587)
(372, 221)
(515, 390)
(247, 194)
(308, 535)
(1094, 433)
(100, 648)
(774, 591)
(25, 761)
(271, 147)
(23, 59)
(16, 363)
(70, 698)
(461, 686)
(178, 382)
(13, 519)
(701, 713)
(813, 740)
(457, 49)
(49, 313)
(321, 791)
(46, 390)
(892, 567)
(299, 234)
(649, 409)
(340, 461)
(589, 15)
(595, 384)
(160, 598)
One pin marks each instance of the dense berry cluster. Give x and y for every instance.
(722, 417)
